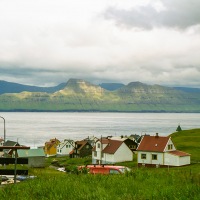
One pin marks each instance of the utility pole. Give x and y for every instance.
(4, 128)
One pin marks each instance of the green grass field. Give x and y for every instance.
(188, 141)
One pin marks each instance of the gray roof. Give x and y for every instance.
(10, 143)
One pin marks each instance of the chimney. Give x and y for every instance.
(156, 135)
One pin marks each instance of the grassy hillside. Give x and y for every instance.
(80, 95)
(188, 141)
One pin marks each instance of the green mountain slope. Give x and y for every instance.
(80, 95)
(188, 141)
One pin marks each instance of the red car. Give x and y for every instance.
(104, 169)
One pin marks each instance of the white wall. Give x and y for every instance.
(98, 150)
(123, 154)
(149, 160)
(174, 160)
(171, 160)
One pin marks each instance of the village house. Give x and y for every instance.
(65, 147)
(50, 147)
(82, 149)
(159, 151)
(91, 139)
(9, 152)
(110, 151)
(36, 157)
(1, 141)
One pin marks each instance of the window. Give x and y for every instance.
(114, 171)
(170, 146)
(87, 146)
(154, 156)
(143, 156)
(98, 145)
(69, 146)
(102, 155)
(95, 154)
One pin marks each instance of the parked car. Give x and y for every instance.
(104, 169)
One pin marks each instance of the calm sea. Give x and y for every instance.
(34, 128)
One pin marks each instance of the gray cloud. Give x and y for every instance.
(175, 13)
(47, 42)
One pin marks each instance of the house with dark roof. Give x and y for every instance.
(82, 149)
(9, 152)
(110, 151)
(159, 151)
(91, 139)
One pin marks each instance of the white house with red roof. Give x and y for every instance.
(160, 151)
(109, 151)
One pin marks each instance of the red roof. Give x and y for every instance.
(153, 143)
(112, 146)
(71, 152)
(81, 144)
(179, 153)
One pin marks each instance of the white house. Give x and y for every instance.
(65, 147)
(160, 151)
(108, 151)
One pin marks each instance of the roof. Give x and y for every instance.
(65, 142)
(51, 143)
(103, 140)
(81, 144)
(112, 146)
(71, 152)
(153, 143)
(10, 143)
(179, 153)
(31, 153)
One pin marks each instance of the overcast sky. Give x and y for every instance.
(47, 42)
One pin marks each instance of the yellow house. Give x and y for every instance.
(50, 147)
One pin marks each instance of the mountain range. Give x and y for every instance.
(80, 95)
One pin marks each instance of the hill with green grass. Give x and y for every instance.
(80, 95)
(188, 141)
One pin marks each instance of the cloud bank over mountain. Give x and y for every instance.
(46, 42)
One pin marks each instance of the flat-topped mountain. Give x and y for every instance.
(80, 95)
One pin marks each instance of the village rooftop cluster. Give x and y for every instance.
(152, 151)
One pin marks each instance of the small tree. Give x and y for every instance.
(179, 128)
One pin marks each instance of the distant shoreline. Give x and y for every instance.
(94, 111)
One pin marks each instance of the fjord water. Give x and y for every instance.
(34, 128)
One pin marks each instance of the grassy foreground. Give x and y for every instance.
(139, 184)
(179, 183)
